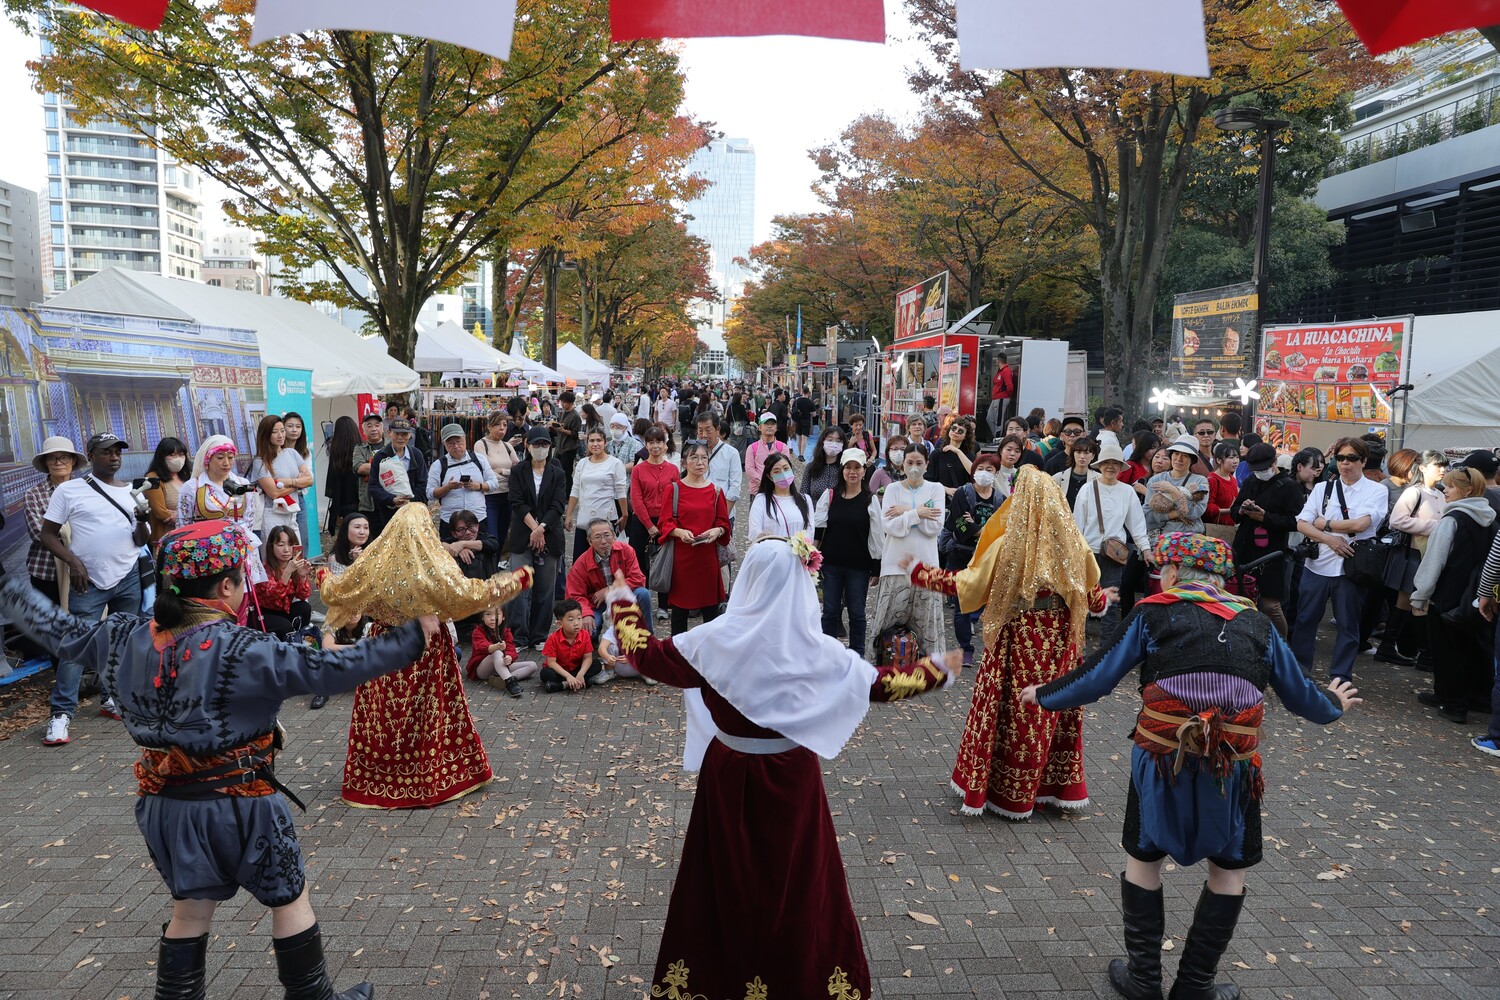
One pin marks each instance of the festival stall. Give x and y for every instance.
(293, 336)
(928, 357)
(577, 364)
(474, 358)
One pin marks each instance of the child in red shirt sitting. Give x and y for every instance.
(494, 657)
(568, 656)
(282, 596)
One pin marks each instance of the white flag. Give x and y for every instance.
(1164, 36)
(484, 27)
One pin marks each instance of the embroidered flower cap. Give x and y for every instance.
(203, 548)
(1203, 552)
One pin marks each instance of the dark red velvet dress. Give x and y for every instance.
(760, 907)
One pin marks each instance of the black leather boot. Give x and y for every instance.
(1208, 938)
(1145, 922)
(299, 964)
(181, 967)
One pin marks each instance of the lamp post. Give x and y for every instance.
(1246, 118)
(555, 262)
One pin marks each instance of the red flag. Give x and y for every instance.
(1384, 25)
(141, 13)
(860, 20)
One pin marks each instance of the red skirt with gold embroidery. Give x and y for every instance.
(1013, 756)
(412, 742)
(761, 908)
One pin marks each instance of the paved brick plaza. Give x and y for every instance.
(1381, 880)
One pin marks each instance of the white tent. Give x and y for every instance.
(474, 356)
(430, 357)
(577, 364)
(291, 334)
(1455, 408)
(538, 372)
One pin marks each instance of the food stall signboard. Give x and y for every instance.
(1213, 338)
(922, 309)
(1339, 372)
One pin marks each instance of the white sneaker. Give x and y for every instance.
(109, 708)
(662, 615)
(57, 732)
(602, 678)
(650, 681)
(503, 564)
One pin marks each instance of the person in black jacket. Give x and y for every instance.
(399, 449)
(1266, 510)
(538, 497)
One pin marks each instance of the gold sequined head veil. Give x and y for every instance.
(406, 572)
(1039, 548)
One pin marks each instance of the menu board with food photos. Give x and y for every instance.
(1213, 339)
(1339, 372)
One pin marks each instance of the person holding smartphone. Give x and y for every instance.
(459, 481)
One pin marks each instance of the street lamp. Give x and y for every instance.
(1246, 118)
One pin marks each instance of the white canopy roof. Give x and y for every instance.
(291, 334)
(576, 363)
(1455, 407)
(472, 355)
(538, 372)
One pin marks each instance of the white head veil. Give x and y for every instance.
(200, 466)
(768, 657)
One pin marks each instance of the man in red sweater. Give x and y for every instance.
(594, 571)
(1002, 391)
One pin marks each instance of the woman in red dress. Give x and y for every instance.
(412, 742)
(760, 907)
(695, 515)
(1036, 579)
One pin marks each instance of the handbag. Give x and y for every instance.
(1308, 549)
(1112, 549)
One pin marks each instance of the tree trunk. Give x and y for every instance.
(549, 308)
(499, 310)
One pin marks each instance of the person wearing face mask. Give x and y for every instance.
(972, 506)
(623, 444)
(912, 514)
(538, 497)
(1266, 511)
(890, 470)
(778, 508)
(172, 467)
(821, 474)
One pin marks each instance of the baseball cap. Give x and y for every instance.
(1260, 457)
(767, 418)
(1483, 462)
(372, 417)
(451, 431)
(399, 425)
(104, 439)
(535, 434)
(853, 455)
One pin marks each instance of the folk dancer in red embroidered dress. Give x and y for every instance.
(200, 695)
(1206, 657)
(412, 741)
(760, 907)
(1036, 579)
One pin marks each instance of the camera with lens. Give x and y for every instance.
(237, 489)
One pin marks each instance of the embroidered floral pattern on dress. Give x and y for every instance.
(674, 986)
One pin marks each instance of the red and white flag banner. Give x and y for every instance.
(860, 20)
(1384, 25)
(1162, 36)
(486, 27)
(141, 13)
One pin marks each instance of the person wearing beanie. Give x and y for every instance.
(1206, 658)
(199, 695)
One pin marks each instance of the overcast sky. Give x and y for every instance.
(786, 95)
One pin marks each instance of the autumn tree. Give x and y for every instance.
(1134, 135)
(400, 157)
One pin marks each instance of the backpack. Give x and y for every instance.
(897, 646)
(443, 466)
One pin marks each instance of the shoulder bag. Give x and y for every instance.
(1112, 549)
(1366, 567)
(145, 567)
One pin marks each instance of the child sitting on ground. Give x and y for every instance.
(615, 664)
(494, 657)
(568, 656)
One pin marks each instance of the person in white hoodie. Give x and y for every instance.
(912, 511)
(1462, 673)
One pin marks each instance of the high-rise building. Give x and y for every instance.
(231, 261)
(114, 200)
(20, 246)
(723, 216)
